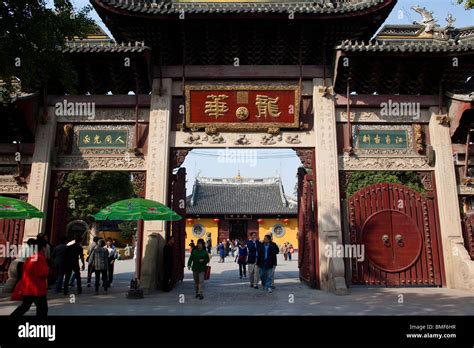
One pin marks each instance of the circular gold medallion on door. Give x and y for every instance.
(392, 240)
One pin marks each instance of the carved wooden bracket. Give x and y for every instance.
(306, 157)
(178, 156)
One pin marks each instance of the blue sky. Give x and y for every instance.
(284, 162)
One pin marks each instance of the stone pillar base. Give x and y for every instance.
(336, 282)
(149, 276)
(464, 276)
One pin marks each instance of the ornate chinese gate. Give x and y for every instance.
(399, 231)
(307, 234)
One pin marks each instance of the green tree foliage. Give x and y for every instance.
(90, 192)
(467, 3)
(360, 180)
(31, 37)
(128, 228)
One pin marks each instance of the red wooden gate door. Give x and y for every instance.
(11, 234)
(307, 237)
(398, 229)
(178, 228)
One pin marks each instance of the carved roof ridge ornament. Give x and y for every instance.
(428, 21)
(450, 20)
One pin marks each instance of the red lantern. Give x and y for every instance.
(259, 221)
(286, 220)
(216, 220)
(190, 221)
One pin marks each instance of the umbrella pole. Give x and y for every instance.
(135, 291)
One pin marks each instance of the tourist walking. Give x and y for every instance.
(73, 254)
(242, 260)
(233, 246)
(266, 260)
(284, 251)
(191, 246)
(227, 247)
(276, 249)
(99, 259)
(34, 285)
(58, 258)
(47, 248)
(252, 246)
(26, 251)
(90, 265)
(290, 250)
(209, 243)
(221, 251)
(168, 264)
(113, 255)
(198, 263)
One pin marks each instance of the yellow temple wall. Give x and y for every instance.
(209, 226)
(291, 231)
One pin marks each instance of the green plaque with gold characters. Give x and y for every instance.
(381, 139)
(103, 139)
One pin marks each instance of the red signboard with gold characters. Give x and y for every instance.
(242, 106)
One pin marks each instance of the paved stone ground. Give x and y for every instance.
(226, 294)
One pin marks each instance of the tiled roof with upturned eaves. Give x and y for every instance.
(84, 46)
(303, 7)
(411, 39)
(233, 196)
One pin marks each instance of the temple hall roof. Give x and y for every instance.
(421, 58)
(239, 196)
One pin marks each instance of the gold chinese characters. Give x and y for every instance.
(267, 106)
(97, 139)
(216, 106)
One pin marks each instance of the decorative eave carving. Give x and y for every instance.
(12, 188)
(107, 115)
(127, 162)
(10, 159)
(465, 190)
(384, 163)
(196, 139)
(368, 116)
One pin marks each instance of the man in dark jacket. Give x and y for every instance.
(168, 264)
(252, 246)
(90, 268)
(74, 253)
(266, 260)
(58, 257)
(277, 251)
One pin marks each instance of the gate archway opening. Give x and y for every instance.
(76, 195)
(231, 193)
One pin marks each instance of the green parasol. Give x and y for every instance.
(136, 209)
(12, 208)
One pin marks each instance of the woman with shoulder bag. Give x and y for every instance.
(198, 263)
